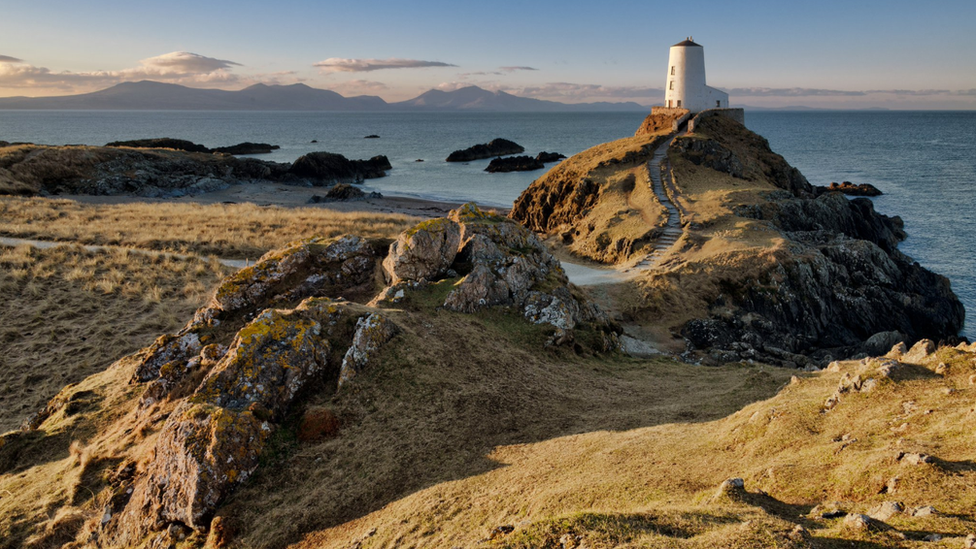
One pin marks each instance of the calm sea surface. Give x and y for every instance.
(925, 162)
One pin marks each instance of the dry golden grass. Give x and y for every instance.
(68, 313)
(239, 231)
(654, 486)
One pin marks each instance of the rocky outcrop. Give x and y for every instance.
(839, 283)
(850, 189)
(710, 154)
(247, 148)
(661, 121)
(547, 157)
(728, 147)
(343, 192)
(372, 332)
(161, 143)
(162, 173)
(214, 438)
(514, 164)
(423, 253)
(825, 303)
(321, 167)
(495, 147)
(188, 146)
(498, 263)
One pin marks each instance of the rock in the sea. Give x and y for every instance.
(372, 136)
(495, 147)
(514, 164)
(547, 157)
(323, 167)
(850, 189)
(247, 148)
(161, 143)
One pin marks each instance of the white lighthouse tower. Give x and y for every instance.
(685, 88)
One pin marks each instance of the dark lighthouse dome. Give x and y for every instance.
(688, 42)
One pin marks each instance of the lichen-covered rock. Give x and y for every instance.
(499, 262)
(203, 452)
(502, 259)
(214, 439)
(269, 362)
(165, 350)
(558, 309)
(372, 332)
(316, 267)
(424, 252)
(313, 267)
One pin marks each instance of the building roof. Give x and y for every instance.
(687, 42)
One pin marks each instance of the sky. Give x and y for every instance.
(835, 54)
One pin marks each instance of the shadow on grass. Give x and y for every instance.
(20, 450)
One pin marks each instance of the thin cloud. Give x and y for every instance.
(8, 59)
(818, 92)
(178, 67)
(791, 92)
(454, 86)
(566, 92)
(184, 62)
(587, 92)
(335, 64)
(513, 69)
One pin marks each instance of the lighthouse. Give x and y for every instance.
(685, 87)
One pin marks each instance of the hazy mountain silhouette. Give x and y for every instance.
(149, 95)
(473, 98)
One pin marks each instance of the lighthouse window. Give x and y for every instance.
(671, 86)
(679, 103)
(672, 70)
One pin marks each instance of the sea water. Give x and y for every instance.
(924, 162)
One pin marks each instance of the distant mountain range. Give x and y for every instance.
(148, 95)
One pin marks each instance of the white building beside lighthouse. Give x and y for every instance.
(685, 88)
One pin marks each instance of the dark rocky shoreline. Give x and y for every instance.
(165, 172)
